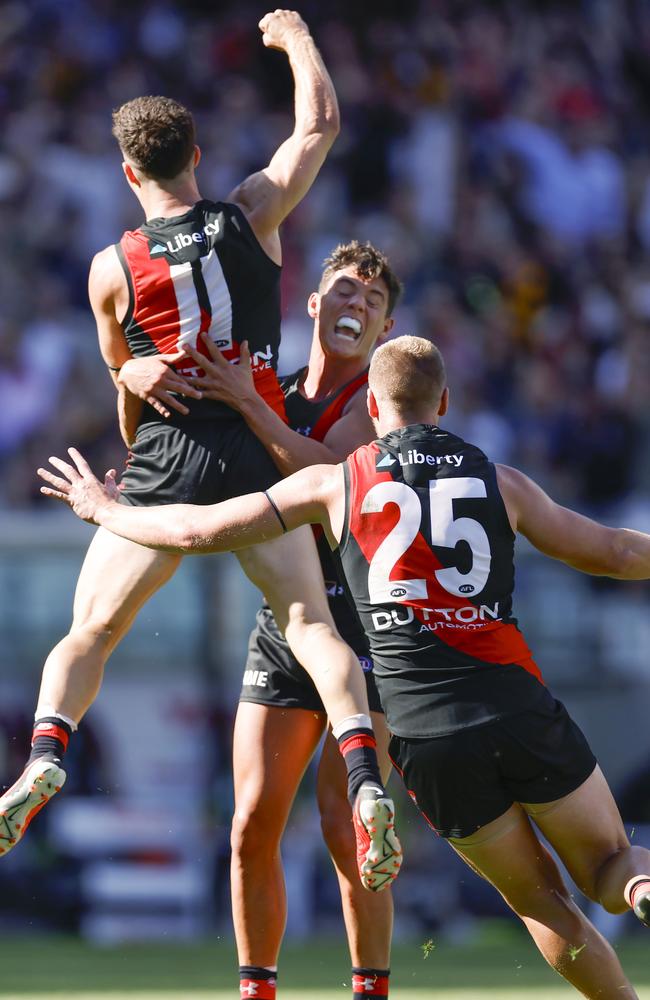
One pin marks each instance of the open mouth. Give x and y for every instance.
(348, 328)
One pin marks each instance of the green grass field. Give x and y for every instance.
(502, 964)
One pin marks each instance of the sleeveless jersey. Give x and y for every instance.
(197, 272)
(314, 418)
(427, 551)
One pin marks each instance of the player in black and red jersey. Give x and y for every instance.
(198, 270)
(425, 527)
(281, 718)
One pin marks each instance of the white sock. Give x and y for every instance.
(47, 712)
(351, 722)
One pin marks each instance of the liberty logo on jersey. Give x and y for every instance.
(415, 457)
(185, 239)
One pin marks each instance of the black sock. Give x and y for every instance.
(50, 739)
(369, 983)
(256, 981)
(359, 749)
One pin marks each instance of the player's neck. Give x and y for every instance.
(160, 202)
(393, 420)
(328, 373)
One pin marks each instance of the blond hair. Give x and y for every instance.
(408, 372)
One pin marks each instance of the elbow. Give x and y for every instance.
(326, 126)
(621, 562)
(332, 123)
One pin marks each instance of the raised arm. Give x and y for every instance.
(268, 196)
(311, 496)
(563, 534)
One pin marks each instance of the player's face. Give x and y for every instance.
(350, 314)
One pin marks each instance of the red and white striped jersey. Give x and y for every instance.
(197, 272)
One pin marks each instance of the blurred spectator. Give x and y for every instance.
(498, 153)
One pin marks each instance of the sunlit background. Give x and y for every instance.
(499, 154)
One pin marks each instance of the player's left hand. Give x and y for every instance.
(78, 487)
(231, 384)
(282, 27)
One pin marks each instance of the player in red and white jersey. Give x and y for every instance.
(199, 269)
(280, 719)
(427, 554)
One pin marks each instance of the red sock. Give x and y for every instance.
(369, 983)
(256, 981)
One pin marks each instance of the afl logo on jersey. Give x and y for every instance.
(466, 588)
(400, 592)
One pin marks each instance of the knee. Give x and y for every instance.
(606, 884)
(96, 631)
(336, 825)
(253, 836)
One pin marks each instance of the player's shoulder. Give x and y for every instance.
(106, 275)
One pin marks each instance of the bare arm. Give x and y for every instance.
(308, 497)
(136, 379)
(106, 283)
(570, 537)
(233, 384)
(268, 196)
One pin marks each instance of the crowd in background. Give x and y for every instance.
(499, 153)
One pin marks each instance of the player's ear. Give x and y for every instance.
(444, 402)
(313, 304)
(197, 156)
(371, 402)
(388, 326)
(130, 174)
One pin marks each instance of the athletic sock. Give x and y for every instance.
(369, 983)
(50, 739)
(257, 981)
(358, 746)
(637, 896)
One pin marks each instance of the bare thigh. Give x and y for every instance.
(584, 827)
(288, 572)
(508, 854)
(116, 579)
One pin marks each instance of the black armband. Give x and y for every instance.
(277, 512)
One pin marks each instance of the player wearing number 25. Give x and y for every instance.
(424, 526)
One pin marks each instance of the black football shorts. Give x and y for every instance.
(462, 781)
(274, 677)
(195, 461)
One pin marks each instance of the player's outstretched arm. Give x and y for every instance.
(234, 524)
(563, 534)
(269, 196)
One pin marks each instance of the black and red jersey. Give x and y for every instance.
(197, 272)
(313, 418)
(427, 551)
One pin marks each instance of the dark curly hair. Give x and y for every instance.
(369, 263)
(157, 134)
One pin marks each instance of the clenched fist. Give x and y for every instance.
(280, 27)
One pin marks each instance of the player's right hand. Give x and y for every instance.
(153, 380)
(77, 487)
(280, 27)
